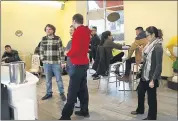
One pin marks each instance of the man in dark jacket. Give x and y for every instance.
(95, 41)
(10, 55)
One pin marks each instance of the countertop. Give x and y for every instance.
(31, 79)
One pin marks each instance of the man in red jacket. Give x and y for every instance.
(79, 59)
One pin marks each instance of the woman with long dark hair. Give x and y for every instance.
(151, 72)
(107, 42)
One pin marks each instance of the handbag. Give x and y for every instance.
(139, 73)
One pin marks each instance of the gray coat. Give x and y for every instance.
(156, 64)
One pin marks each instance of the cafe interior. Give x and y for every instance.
(22, 27)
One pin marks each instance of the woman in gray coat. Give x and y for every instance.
(151, 72)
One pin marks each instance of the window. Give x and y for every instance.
(93, 5)
(117, 28)
(99, 24)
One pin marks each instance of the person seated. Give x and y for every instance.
(107, 42)
(140, 40)
(10, 55)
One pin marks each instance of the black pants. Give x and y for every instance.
(142, 88)
(94, 50)
(117, 58)
(77, 88)
(128, 65)
(90, 56)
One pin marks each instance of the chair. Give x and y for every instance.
(104, 59)
(109, 75)
(35, 66)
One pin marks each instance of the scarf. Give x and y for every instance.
(147, 54)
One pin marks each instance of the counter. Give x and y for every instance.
(19, 94)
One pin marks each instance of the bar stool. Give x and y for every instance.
(109, 75)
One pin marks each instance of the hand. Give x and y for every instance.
(124, 59)
(168, 52)
(125, 47)
(151, 84)
(140, 48)
(63, 65)
(3, 59)
(65, 53)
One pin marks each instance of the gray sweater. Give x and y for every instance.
(156, 64)
(68, 47)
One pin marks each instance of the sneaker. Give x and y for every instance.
(77, 105)
(96, 78)
(94, 75)
(62, 118)
(47, 96)
(84, 114)
(63, 97)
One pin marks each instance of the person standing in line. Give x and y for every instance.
(151, 73)
(51, 50)
(69, 65)
(78, 82)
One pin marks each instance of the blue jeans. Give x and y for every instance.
(70, 70)
(55, 69)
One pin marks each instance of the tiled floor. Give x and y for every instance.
(116, 105)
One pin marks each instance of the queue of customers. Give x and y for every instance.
(147, 46)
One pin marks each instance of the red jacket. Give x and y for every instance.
(80, 44)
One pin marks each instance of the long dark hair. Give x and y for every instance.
(153, 30)
(104, 36)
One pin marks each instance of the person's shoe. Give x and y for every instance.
(62, 118)
(124, 78)
(135, 113)
(95, 74)
(84, 114)
(77, 105)
(145, 119)
(63, 97)
(96, 78)
(47, 96)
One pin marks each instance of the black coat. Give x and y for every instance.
(95, 40)
(12, 57)
(103, 57)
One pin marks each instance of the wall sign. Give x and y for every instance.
(18, 33)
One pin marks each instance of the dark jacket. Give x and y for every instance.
(110, 45)
(156, 64)
(101, 64)
(95, 40)
(12, 57)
